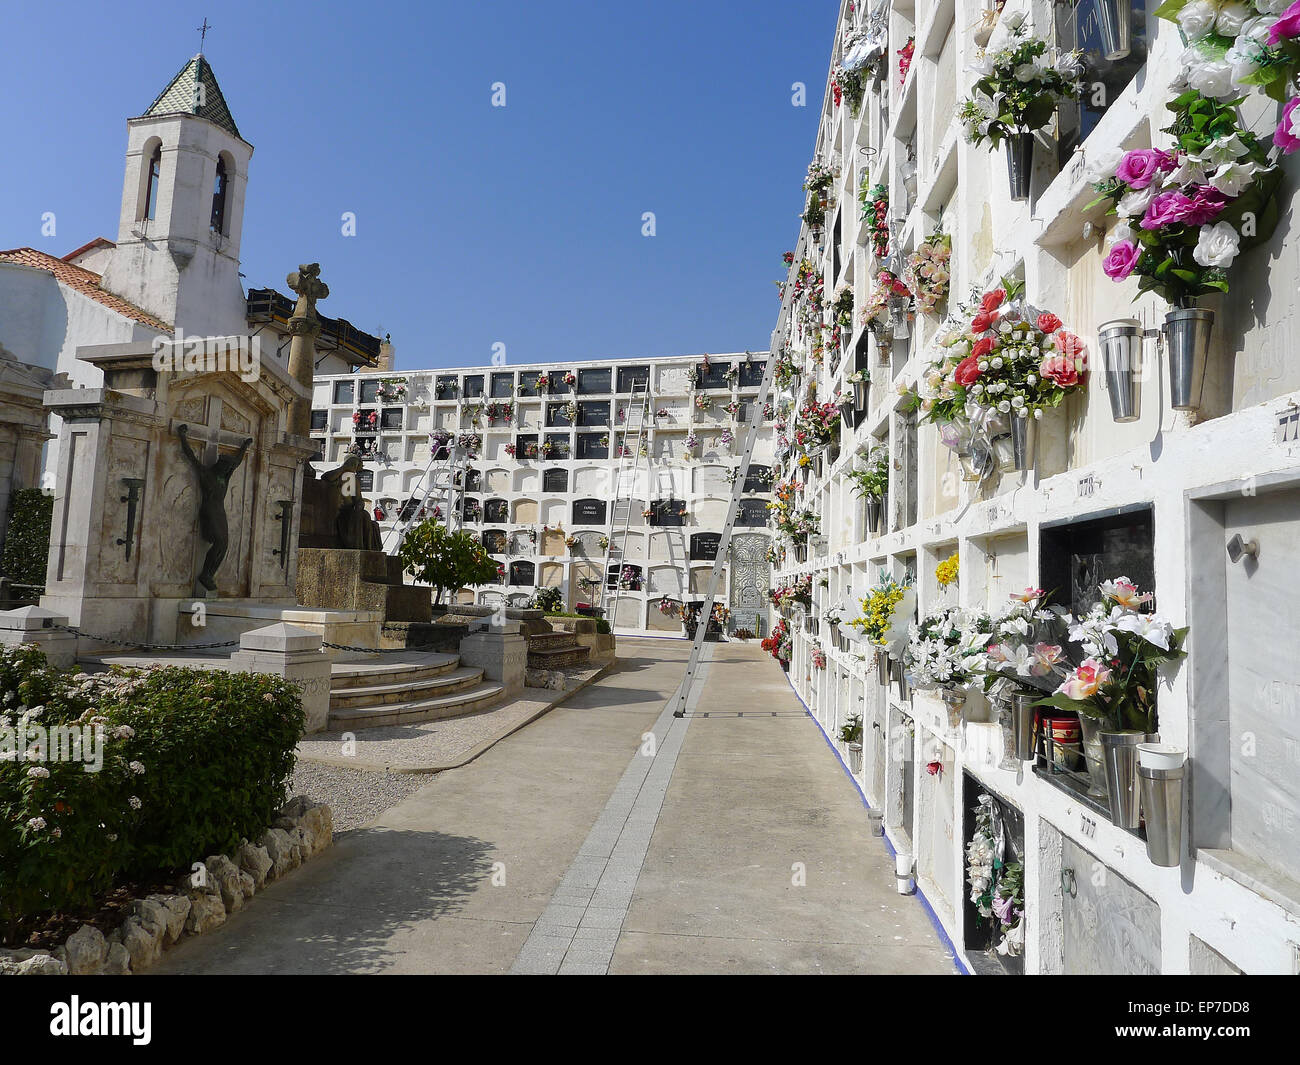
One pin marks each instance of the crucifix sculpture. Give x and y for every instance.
(214, 481)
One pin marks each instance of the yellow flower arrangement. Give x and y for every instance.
(946, 571)
(804, 460)
(878, 612)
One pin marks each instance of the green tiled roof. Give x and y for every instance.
(194, 91)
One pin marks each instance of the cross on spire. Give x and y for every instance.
(203, 34)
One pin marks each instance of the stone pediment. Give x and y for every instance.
(252, 373)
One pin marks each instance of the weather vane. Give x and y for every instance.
(203, 34)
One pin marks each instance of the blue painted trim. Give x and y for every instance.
(944, 939)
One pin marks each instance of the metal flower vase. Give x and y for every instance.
(1162, 806)
(1187, 337)
(1024, 443)
(1023, 717)
(882, 668)
(953, 700)
(1120, 754)
(860, 393)
(1114, 25)
(874, 507)
(1121, 352)
(1020, 163)
(1090, 730)
(855, 758)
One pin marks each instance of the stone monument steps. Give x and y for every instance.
(405, 690)
(556, 650)
(481, 696)
(368, 673)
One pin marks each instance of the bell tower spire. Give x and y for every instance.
(182, 212)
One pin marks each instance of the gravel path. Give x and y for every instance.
(354, 797)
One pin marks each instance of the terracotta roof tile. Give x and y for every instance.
(84, 281)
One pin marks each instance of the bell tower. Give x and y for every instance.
(177, 253)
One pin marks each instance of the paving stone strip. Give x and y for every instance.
(577, 932)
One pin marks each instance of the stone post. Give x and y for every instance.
(294, 654)
(34, 626)
(501, 651)
(304, 328)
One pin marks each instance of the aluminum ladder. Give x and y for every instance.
(443, 480)
(724, 541)
(623, 496)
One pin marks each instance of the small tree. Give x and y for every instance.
(434, 555)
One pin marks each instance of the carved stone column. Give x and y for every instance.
(304, 328)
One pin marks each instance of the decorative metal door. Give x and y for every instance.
(750, 578)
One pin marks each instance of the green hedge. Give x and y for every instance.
(193, 760)
(27, 540)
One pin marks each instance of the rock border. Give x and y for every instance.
(202, 901)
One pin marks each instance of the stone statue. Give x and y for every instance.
(214, 480)
(356, 530)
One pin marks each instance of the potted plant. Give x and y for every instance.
(1185, 215)
(1016, 94)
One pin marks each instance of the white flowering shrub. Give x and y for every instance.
(130, 773)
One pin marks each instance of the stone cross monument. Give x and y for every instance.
(304, 328)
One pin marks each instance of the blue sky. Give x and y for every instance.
(475, 225)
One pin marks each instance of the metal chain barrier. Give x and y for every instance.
(144, 646)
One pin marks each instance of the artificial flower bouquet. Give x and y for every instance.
(819, 179)
(1007, 359)
(876, 312)
(997, 886)
(926, 274)
(816, 425)
(780, 644)
(945, 573)
(886, 613)
(875, 212)
(1123, 647)
(1025, 648)
(1018, 88)
(848, 85)
(1185, 214)
(944, 649)
(873, 478)
(1238, 44)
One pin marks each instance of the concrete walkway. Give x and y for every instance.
(738, 845)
